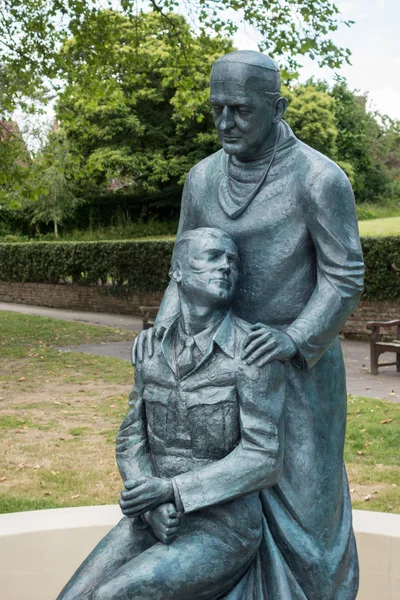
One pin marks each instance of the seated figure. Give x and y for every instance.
(202, 437)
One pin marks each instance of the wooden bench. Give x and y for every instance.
(149, 315)
(379, 347)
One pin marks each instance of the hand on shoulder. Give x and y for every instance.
(265, 344)
(143, 346)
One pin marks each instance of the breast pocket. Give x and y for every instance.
(213, 421)
(156, 400)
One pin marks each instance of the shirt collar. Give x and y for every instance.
(222, 334)
(225, 336)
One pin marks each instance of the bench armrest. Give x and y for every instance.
(150, 310)
(374, 327)
(376, 324)
(149, 314)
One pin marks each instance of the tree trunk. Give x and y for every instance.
(55, 229)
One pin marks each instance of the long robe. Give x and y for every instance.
(301, 271)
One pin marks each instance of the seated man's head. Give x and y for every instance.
(205, 266)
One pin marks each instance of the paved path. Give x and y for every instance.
(95, 318)
(120, 350)
(360, 382)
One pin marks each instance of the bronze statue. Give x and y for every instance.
(290, 212)
(203, 436)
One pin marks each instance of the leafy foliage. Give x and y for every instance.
(134, 107)
(55, 167)
(139, 266)
(33, 70)
(16, 166)
(139, 115)
(287, 29)
(363, 141)
(336, 121)
(143, 266)
(31, 32)
(137, 111)
(311, 115)
(382, 261)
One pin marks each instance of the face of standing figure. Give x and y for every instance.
(205, 266)
(246, 103)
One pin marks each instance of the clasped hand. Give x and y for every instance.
(144, 494)
(266, 344)
(164, 522)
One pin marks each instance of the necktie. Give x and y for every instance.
(186, 358)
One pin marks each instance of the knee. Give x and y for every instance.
(140, 587)
(102, 592)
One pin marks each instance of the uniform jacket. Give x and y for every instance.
(216, 432)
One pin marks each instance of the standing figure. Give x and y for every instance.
(291, 213)
(203, 436)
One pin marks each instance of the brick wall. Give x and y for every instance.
(371, 311)
(78, 297)
(101, 299)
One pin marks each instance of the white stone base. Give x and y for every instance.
(40, 550)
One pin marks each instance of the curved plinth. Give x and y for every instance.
(40, 550)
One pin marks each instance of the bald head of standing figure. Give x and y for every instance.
(246, 103)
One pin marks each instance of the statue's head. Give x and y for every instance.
(205, 266)
(246, 103)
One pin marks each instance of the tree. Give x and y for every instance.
(31, 32)
(141, 118)
(138, 113)
(336, 121)
(55, 168)
(311, 115)
(359, 136)
(15, 166)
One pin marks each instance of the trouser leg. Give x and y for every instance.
(198, 566)
(120, 545)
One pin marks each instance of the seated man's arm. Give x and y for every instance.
(256, 462)
(134, 462)
(133, 457)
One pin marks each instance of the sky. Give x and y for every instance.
(374, 41)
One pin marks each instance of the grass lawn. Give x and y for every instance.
(372, 454)
(380, 227)
(60, 413)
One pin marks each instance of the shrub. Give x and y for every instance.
(382, 262)
(365, 214)
(143, 266)
(368, 212)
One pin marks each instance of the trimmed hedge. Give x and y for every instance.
(382, 268)
(143, 266)
(139, 266)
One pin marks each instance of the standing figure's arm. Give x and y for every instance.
(257, 460)
(169, 307)
(332, 223)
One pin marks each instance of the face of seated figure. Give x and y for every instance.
(207, 266)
